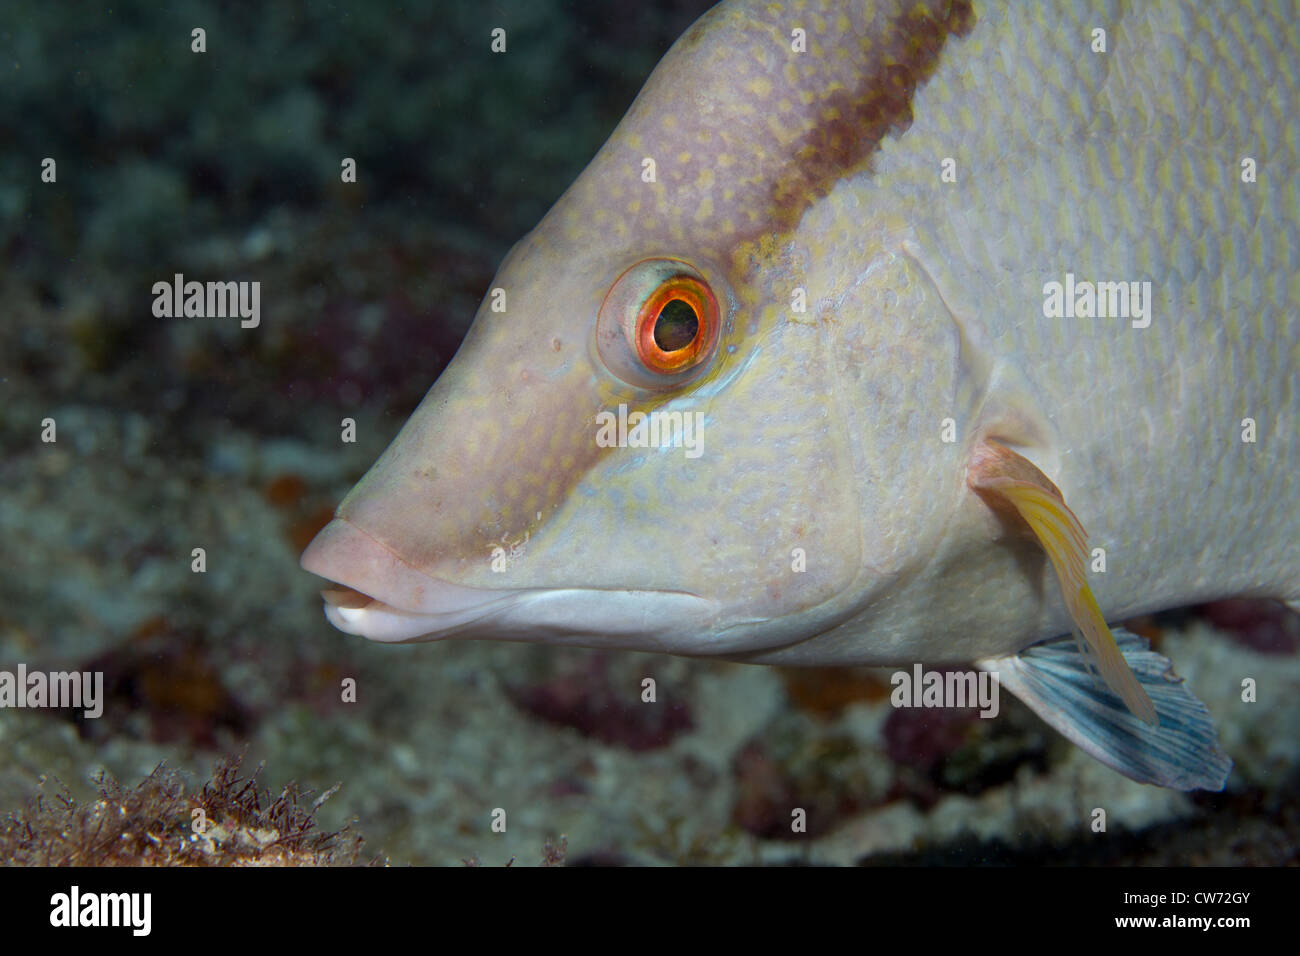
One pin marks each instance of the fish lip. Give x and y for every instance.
(386, 599)
(380, 622)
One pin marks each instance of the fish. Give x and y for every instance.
(880, 333)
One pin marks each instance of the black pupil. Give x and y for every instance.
(676, 326)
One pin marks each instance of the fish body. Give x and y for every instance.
(905, 234)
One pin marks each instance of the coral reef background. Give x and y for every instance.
(175, 434)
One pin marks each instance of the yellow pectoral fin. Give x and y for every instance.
(1014, 479)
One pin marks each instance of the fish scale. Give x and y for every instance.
(843, 509)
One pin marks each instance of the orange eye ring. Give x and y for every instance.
(649, 334)
(659, 324)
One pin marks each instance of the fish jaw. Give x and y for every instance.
(385, 599)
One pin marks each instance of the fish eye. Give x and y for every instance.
(659, 324)
(677, 327)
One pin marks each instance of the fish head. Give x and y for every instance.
(645, 441)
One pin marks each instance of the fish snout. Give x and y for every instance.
(384, 598)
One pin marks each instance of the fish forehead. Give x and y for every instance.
(748, 124)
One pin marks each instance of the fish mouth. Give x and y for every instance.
(384, 598)
(379, 596)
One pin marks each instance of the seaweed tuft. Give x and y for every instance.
(230, 821)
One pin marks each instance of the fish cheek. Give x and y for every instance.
(908, 410)
(787, 471)
(752, 509)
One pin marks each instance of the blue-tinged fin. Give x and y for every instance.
(1181, 753)
(1006, 477)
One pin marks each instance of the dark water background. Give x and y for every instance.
(183, 433)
